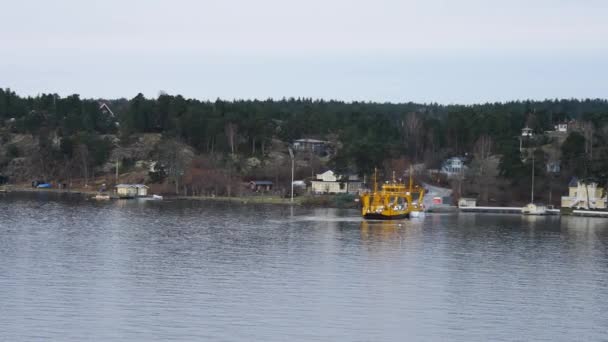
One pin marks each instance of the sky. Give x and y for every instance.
(444, 51)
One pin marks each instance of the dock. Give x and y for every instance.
(502, 210)
(590, 213)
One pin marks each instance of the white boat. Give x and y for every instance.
(102, 197)
(157, 197)
(534, 209)
(416, 213)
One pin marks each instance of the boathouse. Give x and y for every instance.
(466, 202)
(131, 190)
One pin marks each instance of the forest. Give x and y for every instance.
(72, 134)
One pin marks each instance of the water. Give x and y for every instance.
(157, 271)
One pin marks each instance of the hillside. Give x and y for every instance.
(192, 146)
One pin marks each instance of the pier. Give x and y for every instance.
(503, 210)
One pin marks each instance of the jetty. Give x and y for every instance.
(502, 210)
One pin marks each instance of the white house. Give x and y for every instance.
(527, 132)
(329, 182)
(453, 166)
(583, 195)
(561, 127)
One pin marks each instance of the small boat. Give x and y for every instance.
(102, 197)
(157, 197)
(395, 201)
(534, 209)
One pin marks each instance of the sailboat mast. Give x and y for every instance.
(532, 192)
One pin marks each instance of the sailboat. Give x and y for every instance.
(533, 208)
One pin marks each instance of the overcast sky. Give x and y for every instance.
(447, 51)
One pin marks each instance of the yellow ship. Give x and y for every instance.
(394, 201)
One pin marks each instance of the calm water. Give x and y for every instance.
(146, 271)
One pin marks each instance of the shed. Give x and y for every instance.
(260, 185)
(131, 190)
(465, 202)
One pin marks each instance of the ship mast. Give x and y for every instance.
(375, 180)
(410, 178)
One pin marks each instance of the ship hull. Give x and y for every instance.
(376, 216)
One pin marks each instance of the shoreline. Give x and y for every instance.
(91, 193)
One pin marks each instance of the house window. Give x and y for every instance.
(342, 186)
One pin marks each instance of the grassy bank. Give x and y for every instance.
(245, 199)
(16, 188)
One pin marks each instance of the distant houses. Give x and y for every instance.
(329, 182)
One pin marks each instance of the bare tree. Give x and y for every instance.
(231, 130)
(482, 152)
(82, 152)
(175, 160)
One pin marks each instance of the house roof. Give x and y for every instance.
(137, 186)
(573, 182)
(261, 182)
(310, 141)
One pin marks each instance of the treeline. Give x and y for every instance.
(367, 134)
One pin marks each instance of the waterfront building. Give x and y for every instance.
(584, 195)
(131, 190)
(466, 202)
(329, 182)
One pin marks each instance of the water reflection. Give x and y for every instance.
(186, 270)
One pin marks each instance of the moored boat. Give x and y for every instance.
(534, 209)
(102, 197)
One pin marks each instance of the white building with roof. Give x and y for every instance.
(131, 190)
(329, 182)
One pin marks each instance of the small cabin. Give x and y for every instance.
(527, 132)
(260, 185)
(561, 127)
(465, 202)
(131, 190)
